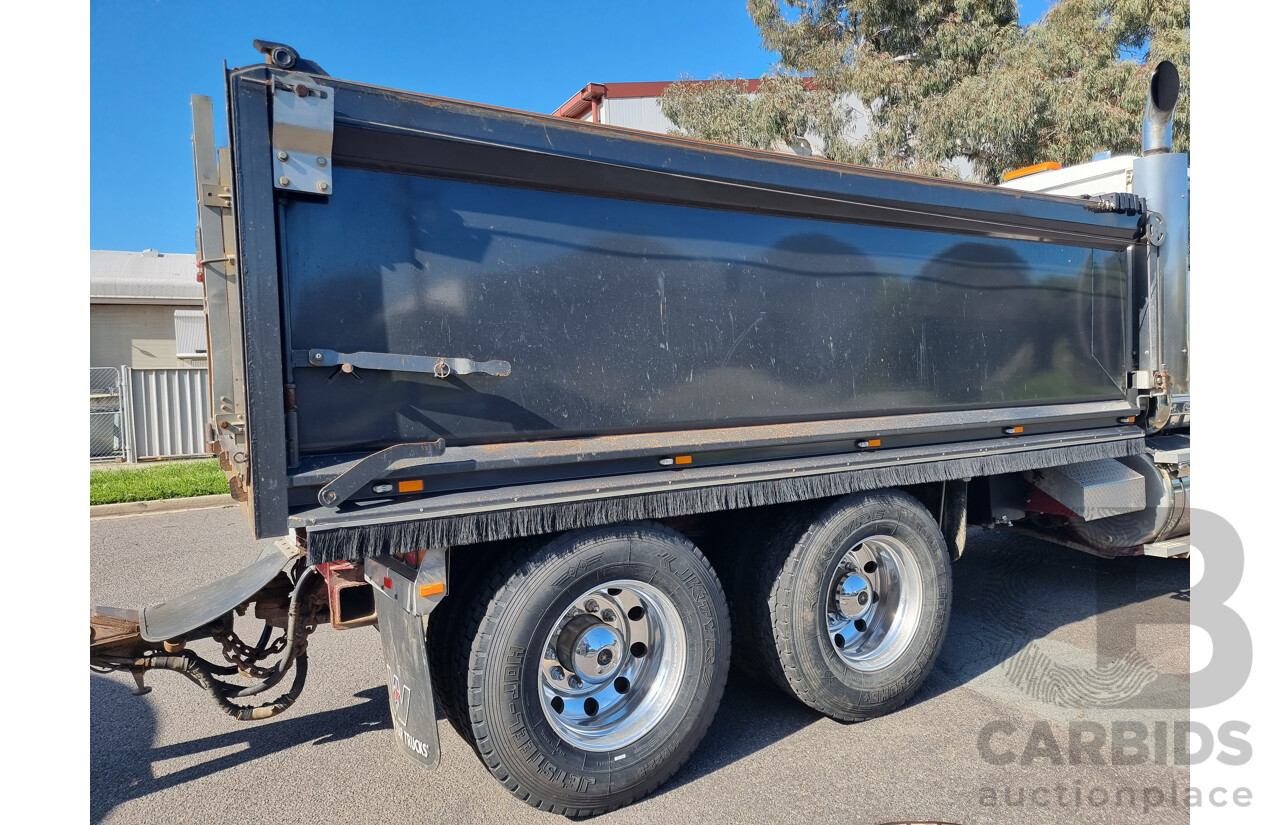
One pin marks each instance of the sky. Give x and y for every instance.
(147, 57)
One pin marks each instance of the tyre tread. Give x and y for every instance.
(773, 598)
(490, 598)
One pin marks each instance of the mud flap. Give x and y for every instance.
(402, 623)
(182, 614)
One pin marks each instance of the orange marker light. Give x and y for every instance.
(411, 486)
(1013, 430)
(1031, 170)
(684, 459)
(430, 589)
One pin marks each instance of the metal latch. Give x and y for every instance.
(437, 365)
(1142, 380)
(1157, 380)
(302, 135)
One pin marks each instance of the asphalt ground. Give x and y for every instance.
(1048, 650)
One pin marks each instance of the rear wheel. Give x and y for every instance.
(446, 654)
(596, 665)
(853, 603)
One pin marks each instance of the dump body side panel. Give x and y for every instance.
(641, 284)
(623, 316)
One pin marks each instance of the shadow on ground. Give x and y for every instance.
(121, 756)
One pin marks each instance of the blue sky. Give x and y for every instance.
(148, 56)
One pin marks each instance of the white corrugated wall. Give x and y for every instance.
(170, 409)
(635, 113)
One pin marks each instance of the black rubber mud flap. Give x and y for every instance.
(413, 706)
(182, 614)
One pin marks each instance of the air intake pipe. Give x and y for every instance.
(1157, 121)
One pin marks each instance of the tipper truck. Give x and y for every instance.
(574, 414)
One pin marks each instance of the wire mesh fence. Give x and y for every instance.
(141, 414)
(107, 437)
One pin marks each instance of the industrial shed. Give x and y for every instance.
(635, 106)
(145, 310)
(148, 356)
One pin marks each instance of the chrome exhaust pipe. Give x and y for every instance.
(1157, 121)
(1160, 177)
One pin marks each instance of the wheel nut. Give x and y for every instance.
(608, 615)
(575, 682)
(557, 673)
(592, 606)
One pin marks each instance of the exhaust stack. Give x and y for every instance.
(1157, 121)
(1160, 177)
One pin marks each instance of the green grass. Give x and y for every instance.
(167, 479)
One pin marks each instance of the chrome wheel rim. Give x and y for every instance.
(611, 665)
(874, 602)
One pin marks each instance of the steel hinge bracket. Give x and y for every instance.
(302, 135)
(215, 195)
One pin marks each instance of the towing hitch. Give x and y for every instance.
(397, 592)
(156, 638)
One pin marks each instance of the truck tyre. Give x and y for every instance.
(444, 645)
(595, 666)
(852, 603)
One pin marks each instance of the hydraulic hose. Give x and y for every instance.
(293, 634)
(204, 673)
(201, 672)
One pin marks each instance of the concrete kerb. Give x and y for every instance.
(168, 505)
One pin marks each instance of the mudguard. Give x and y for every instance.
(182, 614)
(405, 598)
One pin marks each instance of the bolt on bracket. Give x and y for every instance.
(302, 135)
